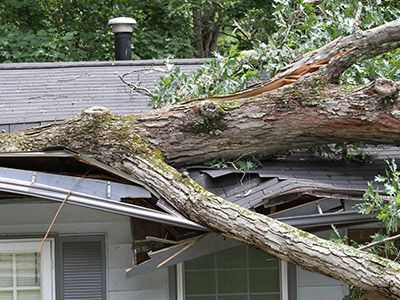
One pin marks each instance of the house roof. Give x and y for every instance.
(278, 177)
(34, 94)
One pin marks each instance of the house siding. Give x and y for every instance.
(32, 219)
(314, 286)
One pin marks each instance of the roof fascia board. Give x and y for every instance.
(64, 152)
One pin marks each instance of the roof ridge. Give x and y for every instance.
(83, 64)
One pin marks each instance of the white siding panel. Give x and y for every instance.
(32, 219)
(44, 212)
(119, 255)
(307, 278)
(139, 295)
(152, 281)
(318, 293)
(314, 286)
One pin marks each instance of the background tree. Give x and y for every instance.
(64, 30)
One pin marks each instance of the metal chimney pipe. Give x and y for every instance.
(122, 29)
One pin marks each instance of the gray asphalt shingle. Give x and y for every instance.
(31, 93)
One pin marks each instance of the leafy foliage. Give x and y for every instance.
(64, 30)
(235, 22)
(343, 151)
(277, 31)
(249, 163)
(354, 294)
(42, 44)
(52, 31)
(298, 27)
(164, 27)
(220, 76)
(387, 209)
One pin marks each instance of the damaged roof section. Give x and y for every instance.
(301, 189)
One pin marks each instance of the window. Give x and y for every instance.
(240, 273)
(26, 274)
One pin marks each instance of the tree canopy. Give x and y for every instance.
(63, 30)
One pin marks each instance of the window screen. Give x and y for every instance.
(241, 273)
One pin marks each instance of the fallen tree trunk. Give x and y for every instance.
(300, 107)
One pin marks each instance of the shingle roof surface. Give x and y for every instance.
(33, 94)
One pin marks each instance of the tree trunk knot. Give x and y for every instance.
(96, 110)
(210, 109)
(385, 87)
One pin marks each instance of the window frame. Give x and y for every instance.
(47, 267)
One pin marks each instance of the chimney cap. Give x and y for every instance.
(122, 24)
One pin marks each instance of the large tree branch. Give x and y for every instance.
(330, 61)
(343, 52)
(300, 107)
(353, 266)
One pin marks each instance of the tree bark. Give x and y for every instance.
(300, 107)
(205, 27)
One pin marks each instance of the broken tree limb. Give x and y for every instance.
(299, 107)
(331, 60)
(308, 109)
(386, 240)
